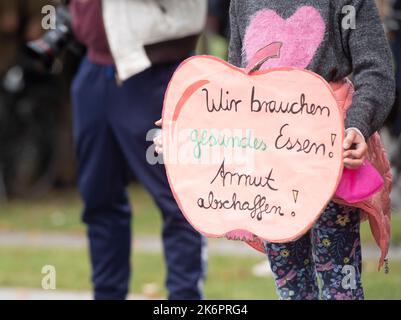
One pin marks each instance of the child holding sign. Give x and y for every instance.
(333, 39)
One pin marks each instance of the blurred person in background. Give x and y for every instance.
(133, 48)
(35, 140)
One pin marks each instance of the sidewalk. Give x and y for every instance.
(142, 243)
(153, 244)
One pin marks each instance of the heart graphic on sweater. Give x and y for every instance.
(301, 35)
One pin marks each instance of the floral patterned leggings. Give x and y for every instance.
(325, 263)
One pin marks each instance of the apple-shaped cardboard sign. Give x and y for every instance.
(257, 153)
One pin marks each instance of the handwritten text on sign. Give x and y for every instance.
(260, 152)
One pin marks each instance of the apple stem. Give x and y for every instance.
(270, 51)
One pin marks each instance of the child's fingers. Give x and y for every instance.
(159, 123)
(352, 163)
(349, 139)
(355, 154)
(158, 141)
(354, 158)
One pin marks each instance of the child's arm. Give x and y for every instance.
(373, 74)
(235, 46)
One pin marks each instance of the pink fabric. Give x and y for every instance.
(300, 38)
(376, 209)
(270, 51)
(240, 235)
(359, 184)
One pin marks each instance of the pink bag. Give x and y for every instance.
(359, 184)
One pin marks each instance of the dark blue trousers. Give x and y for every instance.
(110, 124)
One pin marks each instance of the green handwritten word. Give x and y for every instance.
(206, 138)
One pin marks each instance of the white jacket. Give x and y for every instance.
(132, 24)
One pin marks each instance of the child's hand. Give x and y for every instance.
(159, 123)
(158, 140)
(355, 149)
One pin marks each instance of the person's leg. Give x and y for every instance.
(337, 253)
(102, 180)
(293, 270)
(183, 246)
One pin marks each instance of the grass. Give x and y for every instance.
(228, 277)
(367, 237)
(60, 212)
